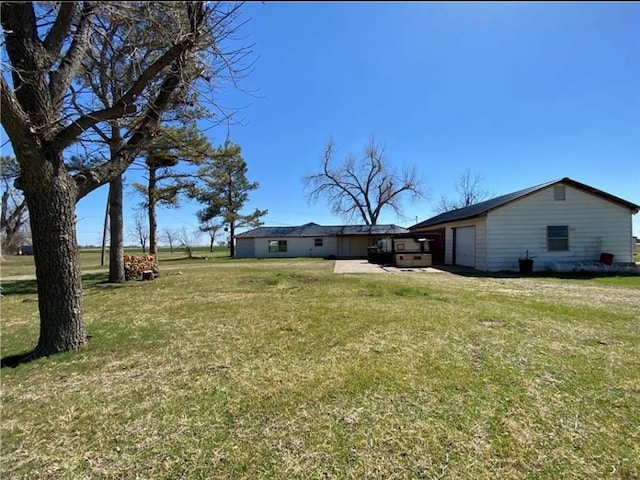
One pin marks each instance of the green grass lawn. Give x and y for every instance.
(281, 369)
(91, 259)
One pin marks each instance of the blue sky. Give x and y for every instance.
(522, 93)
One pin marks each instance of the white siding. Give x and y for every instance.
(245, 248)
(481, 241)
(329, 247)
(359, 245)
(344, 247)
(347, 246)
(297, 247)
(595, 225)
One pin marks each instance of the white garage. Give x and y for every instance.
(556, 222)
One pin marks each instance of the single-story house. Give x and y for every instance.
(312, 240)
(559, 221)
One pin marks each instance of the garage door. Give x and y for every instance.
(465, 247)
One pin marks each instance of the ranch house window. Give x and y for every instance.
(277, 246)
(557, 238)
(317, 242)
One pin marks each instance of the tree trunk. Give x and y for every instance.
(53, 229)
(211, 245)
(116, 242)
(232, 245)
(153, 227)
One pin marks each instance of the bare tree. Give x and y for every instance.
(13, 214)
(361, 188)
(188, 241)
(470, 192)
(139, 230)
(170, 236)
(108, 82)
(46, 48)
(212, 229)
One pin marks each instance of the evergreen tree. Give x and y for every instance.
(224, 189)
(165, 182)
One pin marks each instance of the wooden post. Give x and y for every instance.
(104, 230)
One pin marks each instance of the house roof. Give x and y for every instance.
(315, 230)
(485, 207)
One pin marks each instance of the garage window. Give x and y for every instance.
(317, 242)
(557, 238)
(277, 246)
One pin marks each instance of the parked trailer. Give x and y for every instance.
(401, 252)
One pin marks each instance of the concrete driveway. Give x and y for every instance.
(363, 266)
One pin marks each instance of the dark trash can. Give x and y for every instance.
(525, 265)
(607, 258)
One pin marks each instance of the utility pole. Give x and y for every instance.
(104, 230)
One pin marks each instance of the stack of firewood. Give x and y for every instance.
(136, 265)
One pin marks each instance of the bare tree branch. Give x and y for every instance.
(14, 119)
(110, 170)
(61, 78)
(469, 189)
(126, 104)
(29, 61)
(57, 34)
(362, 189)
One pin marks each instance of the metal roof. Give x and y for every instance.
(315, 230)
(485, 207)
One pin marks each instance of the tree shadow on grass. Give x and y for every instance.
(181, 259)
(581, 275)
(30, 287)
(20, 287)
(12, 361)
(201, 258)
